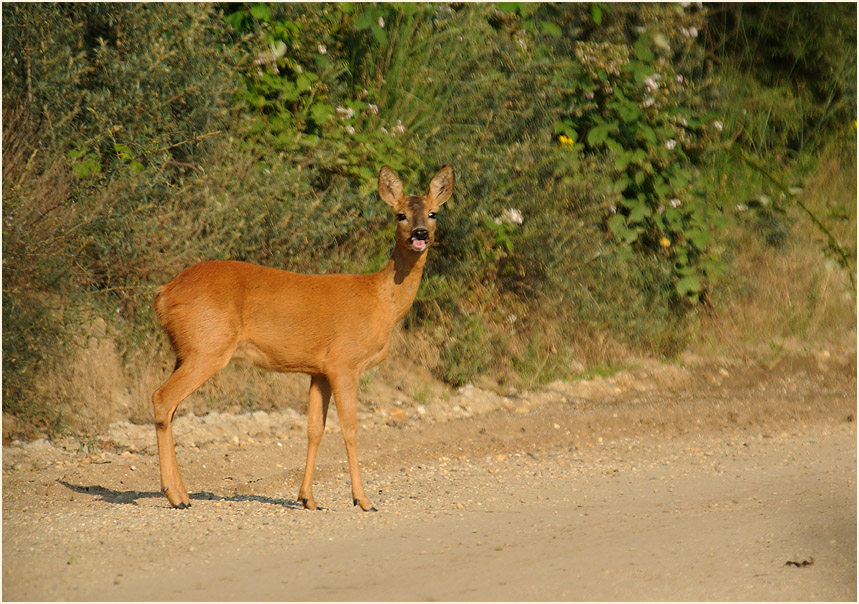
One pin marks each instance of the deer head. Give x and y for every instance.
(415, 215)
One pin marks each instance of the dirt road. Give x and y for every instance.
(663, 482)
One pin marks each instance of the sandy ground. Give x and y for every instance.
(696, 482)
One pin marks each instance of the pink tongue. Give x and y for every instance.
(419, 244)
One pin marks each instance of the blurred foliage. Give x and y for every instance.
(792, 69)
(590, 143)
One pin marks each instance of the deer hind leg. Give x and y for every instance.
(189, 374)
(317, 414)
(346, 399)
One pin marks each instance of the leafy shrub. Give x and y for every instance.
(592, 189)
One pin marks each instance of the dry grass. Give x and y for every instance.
(796, 299)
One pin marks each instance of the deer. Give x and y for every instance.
(331, 327)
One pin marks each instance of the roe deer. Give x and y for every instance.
(331, 327)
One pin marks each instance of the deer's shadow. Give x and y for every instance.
(132, 497)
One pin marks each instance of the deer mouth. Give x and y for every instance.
(418, 245)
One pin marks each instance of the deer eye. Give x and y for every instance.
(401, 217)
(431, 215)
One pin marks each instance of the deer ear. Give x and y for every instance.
(390, 187)
(441, 186)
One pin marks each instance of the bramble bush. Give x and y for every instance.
(591, 143)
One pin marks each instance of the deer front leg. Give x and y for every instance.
(317, 413)
(346, 399)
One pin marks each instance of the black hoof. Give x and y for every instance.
(182, 506)
(373, 509)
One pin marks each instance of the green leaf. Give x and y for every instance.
(508, 7)
(597, 135)
(699, 238)
(366, 20)
(639, 212)
(261, 12)
(614, 146)
(642, 49)
(617, 225)
(674, 219)
(596, 13)
(629, 112)
(321, 112)
(551, 29)
(381, 36)
(302, 82)
(621, 161)
(690, 285)
(237, 19)
(647, 133)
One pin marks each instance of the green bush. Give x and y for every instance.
(601, 156)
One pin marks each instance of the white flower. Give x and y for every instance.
(350, 129)
(679, 78)
(399, 128)
(346, 113)
(693, 32)
(717, 125)
(374, 109)
(513, 215)
(674, 203)
(741, 207)
(322, 49)
(649, 101)
(650, 83)
(670, 143)
(383, 130)
(589, 96)
(381, 22)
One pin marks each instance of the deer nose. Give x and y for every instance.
(420, 234)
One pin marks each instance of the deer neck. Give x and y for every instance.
(400, 280)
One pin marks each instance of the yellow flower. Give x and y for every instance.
(566, 142)
(665, 242)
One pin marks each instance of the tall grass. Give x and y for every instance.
(139, 139)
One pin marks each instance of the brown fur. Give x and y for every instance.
(331, 327)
